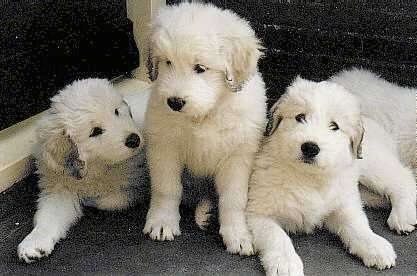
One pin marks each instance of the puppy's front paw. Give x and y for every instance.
(278, 264)
(237, 240)
(376, 252)
(162, 226)
(403, 221)
(35, 247)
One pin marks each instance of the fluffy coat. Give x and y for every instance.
(297, 190)
(84, 156)
(205, 59)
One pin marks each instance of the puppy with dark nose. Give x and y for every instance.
(88, 153)
(206, 112)
(306, 176)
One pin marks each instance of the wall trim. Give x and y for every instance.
(141, 13)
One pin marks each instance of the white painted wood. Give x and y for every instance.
(141, 13)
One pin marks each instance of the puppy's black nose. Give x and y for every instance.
(132, 141)
(175, 103)
(310, 149)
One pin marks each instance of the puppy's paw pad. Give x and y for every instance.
(237, 242)
(203, 214)
(379, 254)
(402, 222)
(32, 249)
(204, 224)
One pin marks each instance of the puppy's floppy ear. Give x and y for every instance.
(57, 150)
(274, 119)
(73, 164)
(356, 141)
(242, 55)
(152, 66)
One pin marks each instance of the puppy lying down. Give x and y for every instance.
(88, 153)
(386, 169)
(306, 176)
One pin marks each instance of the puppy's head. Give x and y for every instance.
(197, 54)
(88, 122)
(316, 126)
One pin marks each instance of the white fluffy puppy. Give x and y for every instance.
(390, 154)
(206, 113)
(87, 153)
(306, 176)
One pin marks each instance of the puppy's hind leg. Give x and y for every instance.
(350, 223)
(204, 213)
(55, 214)
(382, 172)
(276, 250)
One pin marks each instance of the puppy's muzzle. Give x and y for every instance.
(175, 103)
(132, 141)
(309, 150)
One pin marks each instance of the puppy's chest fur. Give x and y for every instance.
(204, 145)
(298, 202)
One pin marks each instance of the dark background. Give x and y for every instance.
(46, 44)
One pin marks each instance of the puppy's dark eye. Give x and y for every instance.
(116, 112)
(96, 131)
(301, 118)
(168, 62)
(198, 68)
(334, 126)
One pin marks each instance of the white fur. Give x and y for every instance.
(75, 168)
(391, 106)
(138, 103)
(288, 194)
(389, 145)
(218, 130)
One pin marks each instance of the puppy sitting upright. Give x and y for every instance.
(306, 176)
(206, 113)
(87, 153)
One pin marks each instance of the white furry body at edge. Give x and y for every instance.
(390, 105)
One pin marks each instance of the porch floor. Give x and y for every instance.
(112, 242)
